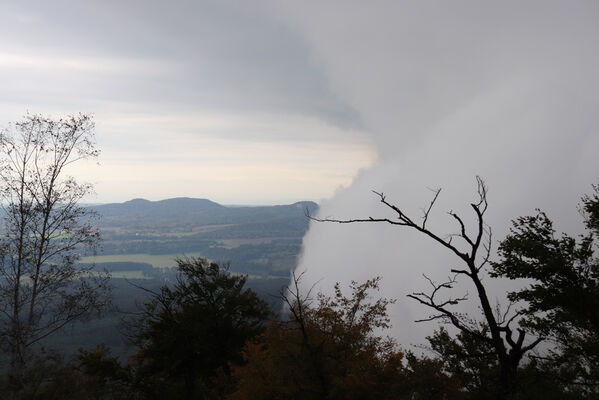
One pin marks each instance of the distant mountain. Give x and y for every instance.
(190, 214)
(168, 207)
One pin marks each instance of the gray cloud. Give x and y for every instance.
(191, 55)
(407, 65)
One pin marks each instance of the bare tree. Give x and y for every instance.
(45, 231)
(474, 250)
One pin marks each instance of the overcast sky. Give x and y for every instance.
(214, 99)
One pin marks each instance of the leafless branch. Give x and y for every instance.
(430, 207)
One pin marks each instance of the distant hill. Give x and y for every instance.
(162, 208)
(185, 214)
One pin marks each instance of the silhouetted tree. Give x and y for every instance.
(470, 362)
(562, 299)
(188, 335)
(44, 233)
(472, 366)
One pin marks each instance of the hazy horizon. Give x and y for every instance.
(274, 203)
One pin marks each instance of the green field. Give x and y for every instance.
(157, 260)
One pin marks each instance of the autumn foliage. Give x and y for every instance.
(334, 349)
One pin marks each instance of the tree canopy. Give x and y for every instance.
(189, 334)
(328, 348)
(562, 300)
